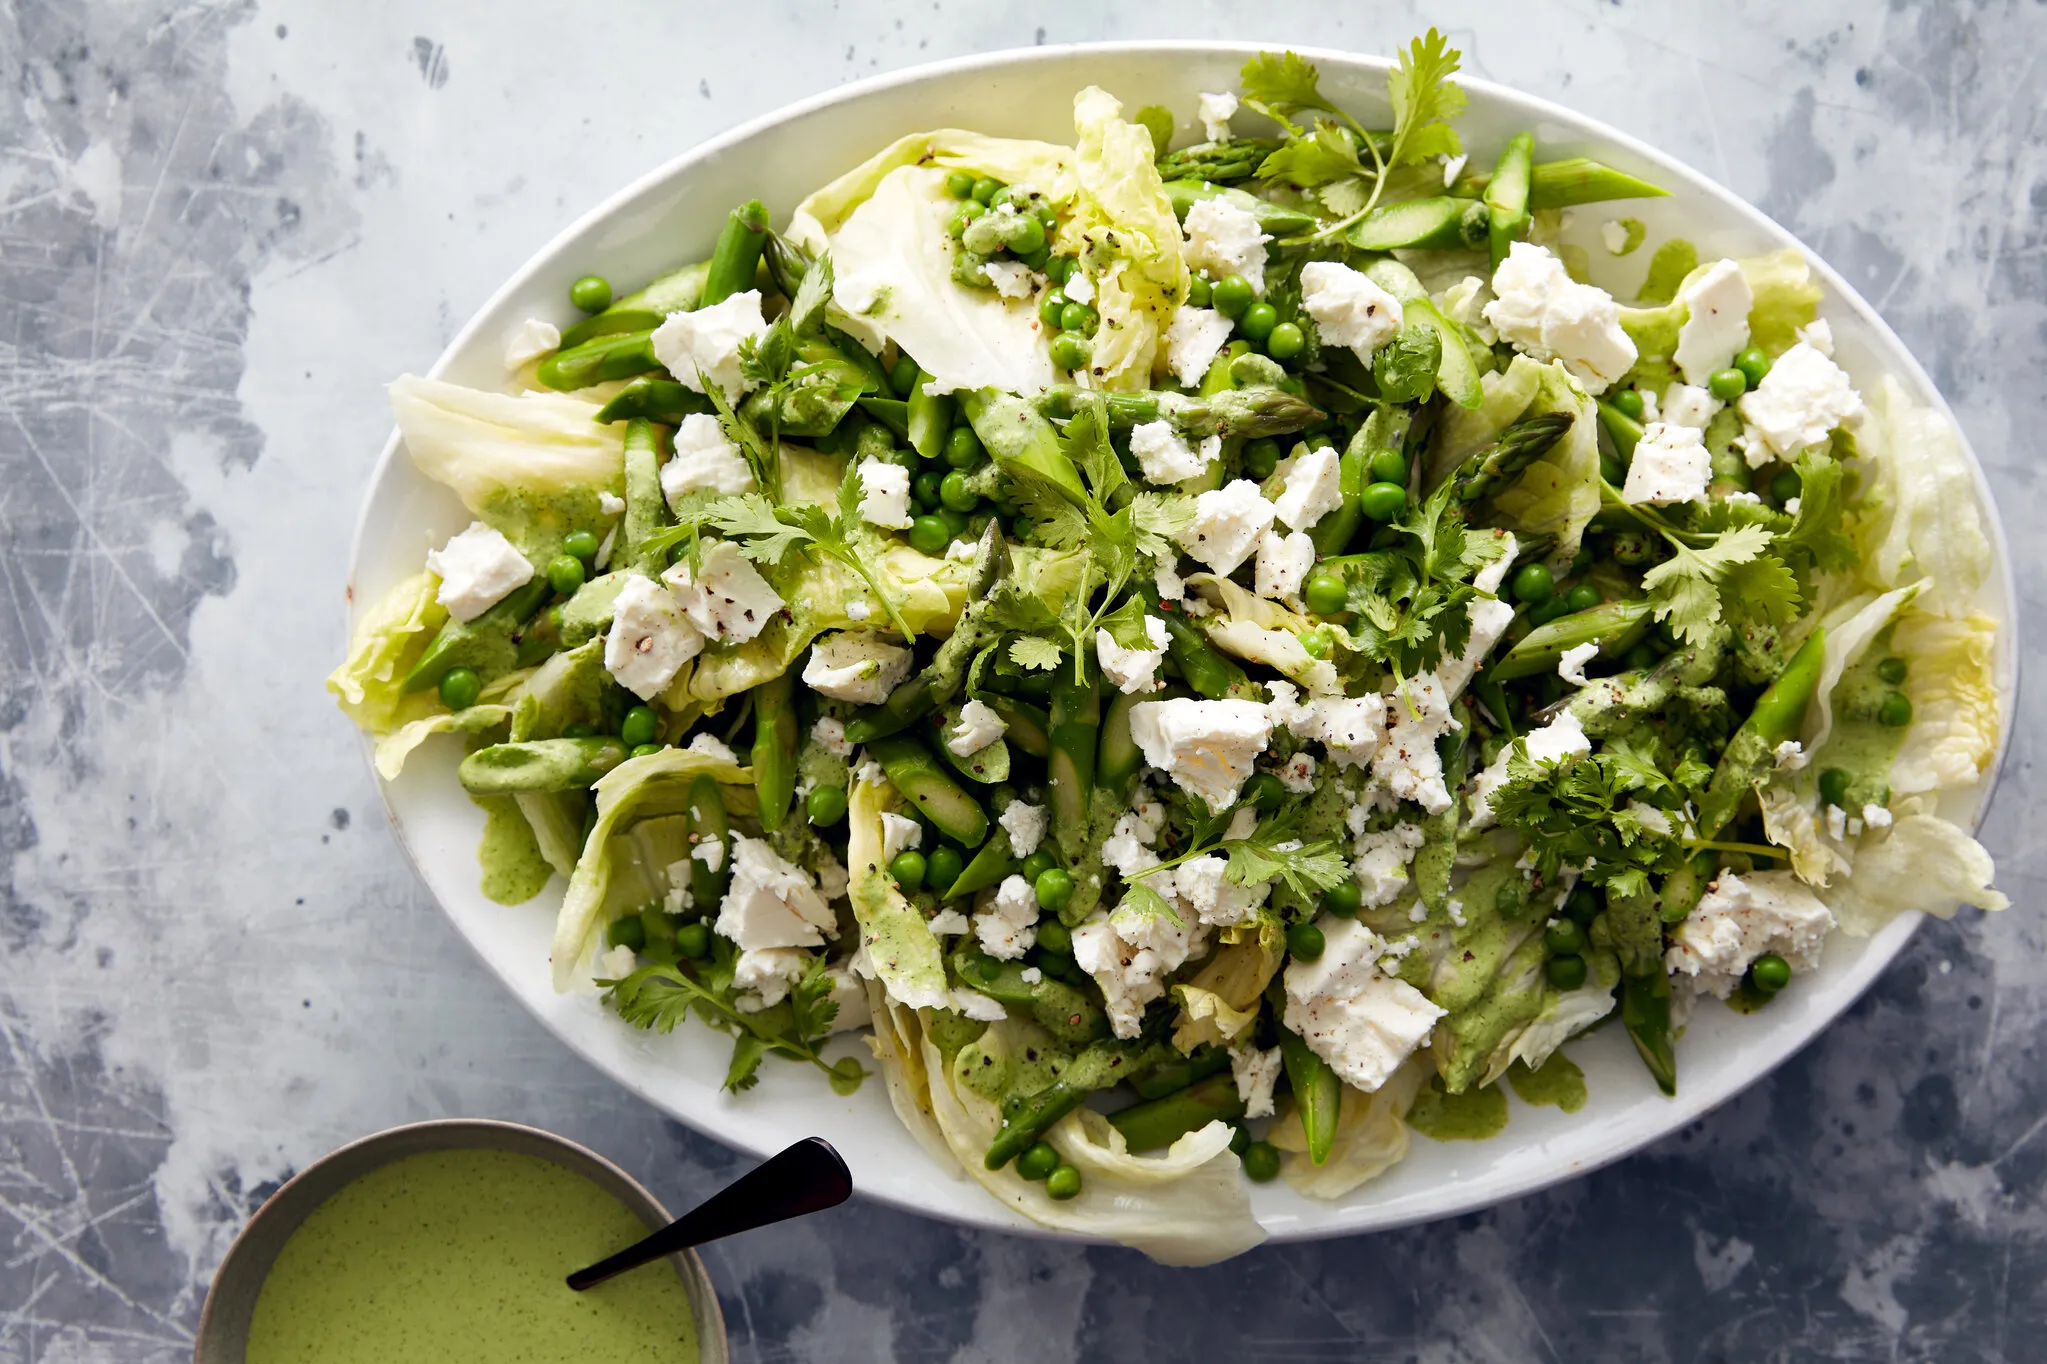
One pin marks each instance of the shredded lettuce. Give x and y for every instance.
(1260, 631)
(1042, 166)
(394, 748)
(387, 643)
(1558, 494)
(1785, 300)
(1565, 1014)
(1850, 627)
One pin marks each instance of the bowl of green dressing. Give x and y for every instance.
(450, 1241)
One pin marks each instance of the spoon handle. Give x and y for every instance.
(805, 1178)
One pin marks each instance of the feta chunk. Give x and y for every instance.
(1215, 112)
(710, 852)
(711, 746)
(1800, 401)
(1283, 564)
(1613, 233)
(725, 597)
(884, 494)
(1202, 886)
(1349, 309)
(1133, 670)
(1228, 523)
(1563, 737)
(1128, 847)
(1165, 456)
(1671, 464)
(649, 639)
(949, 923)
(477, 568)
(1819, 334)
(1130, 953)
(978, 727)
(530, 340)
(829, 734)
(1194, 338)
(856, 665)
(1166, 578)
(616, 963)
(764, 977)
(1876, 817)
(1407, 761)
(1225, 239)
(1349, 728)
(1207, 747)
(1078, 287)
(1363, 1022)
(1012, 278)
(1716, 323)
(1297, 774)
(1550, 316)
(1008, 926)
(1489, 619)
(704, 461)
(611, 504)
(704, 345)
(1790, 756)
(1314, 488)
(851, 997)
(770, 902)
(977, 1006)
(1684, 405)
(1379, 862)
(1453, 166)
(1025, 824)
(899, 834)
(1255, 1070)
(1739, 919)
(1571, 667)
(1489, 578)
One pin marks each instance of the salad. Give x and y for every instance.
(1215, 656)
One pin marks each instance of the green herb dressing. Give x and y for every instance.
(513, 869)
(454, 1256)
(1473, 1115)
(1557, 1083)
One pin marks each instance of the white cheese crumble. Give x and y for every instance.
(1363, 1022)
(884, 494)
(1790, 756)
(1453, 166)
(710, 852)
(1407, 761)
(1228, 523)
(1203, 887)
(1283, 564)
(1297, 774)
(829, 734)
(1563, 737)
(764, 977)
(771, 903)
(1215, 112)
(1025, 824)
(649, 639)
(1314, 488)
(477, 568)
(1166, 457)
(1379, 861)
(530, 340)
(1225, 239)
(1716, 321)
(1684, 405)
(1571, 667)
(1007, 927)
(1819, 334)
(711, 746)
(1800, 401)
(1876, 817)
(1078, 287)
(1255, 1072)
(1133, 670)
(1550, 316)
(704, 344)
(1670, 464)
(1741, 918)
(977, 1006)
(1349, 309)
(1012, 278)
(978, 727)
(1130, 953)
(725, 597)
(856, 665)
(949, 923)
(1194, 338)
(611, 504)
(1207, 747)
(899, 834)
(704, 461)
(1614, 233)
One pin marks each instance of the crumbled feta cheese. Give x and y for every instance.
(1215, 112)
(704, 344)
(1396, 952)
(1455, 909)
(1031, 975)
(1379, 861)
(1128, 847)
(1130, 953)
(1489, 578)
(649, 639)
(1854, 827)
(1489, 619)
(530, 340)
(1800, 401)
(1201, 884)
(1650, 405)
(477, 568)
(1363, 1022)
(1194, 338)
(1716, 321)
(858, 611)
(899, 834)
(977, 1006)
(869, 773)
(1007, 927)
(1571, 667)
(856, 665)
(884, 494)
(1684, 405)
(1297, 774)
(1255, 1072)
(726, 597)
(1792, 504)
(1228, 523)
(1650, 818)
(1791, 756)
(611, 504)
(1349, 309)
(1166, 457)
(1837, 823)
(770, 902)
(1025, 824)
(763, 977)
(1225, 239)
(711, 746)
(1314, 488)
(616, 963)
(1133, 670)
(851, 997)
(949, 923)
(1819, 334)
(1207, 747)
(1550, 316)
(1348, 727)
(1739, 919)
(1012, 278)
(1453, 166)
(1407, 761)
(830, 735)
(704, 461)
(1078, 287)
(1743, 495)
(1614, 233)
(1671, 464)
(1876, 817)
(978, 727)
(1563, 737)
(1283, 564)
(1166, 578)
(832, 877)
(710, 852)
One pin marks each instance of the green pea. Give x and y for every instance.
(1063, 1183)
(1325, 594)
(1321, 441)
(1388, 466)
(1581, 906)
(626, 932)
(1240, 1139)
(943, 868)
(1261, 457)
(1583, 597)
(955, 523)
(580, 543)
(693, 940)
(591, 293)
(565, 574)
(1038, 1162)
(1753, 365)
(1258, 321)
(1054, 888)
(1071, 352)
(1893, 670)
(1020, 528)
(1343, 899)
(579, 730)
(1231, 296)
(908, 870)
(1304, 941)
(1534, 585)
(1611, 469)
(1036, 865)
(1566, 939)
(1198, 291)
(1286, 342)
(459, 688)
(960, 184)
(1629, 403)
(1785, 485)
(1770, 972)
(1727, 384)
(1050, 307)
(985, 189)
(963, 448)
(1566, 973)
(1026, 235)
(929, 534)
(1896, 710)
(1263, 793)
(1054, 936)
(1261, 1162)
(646, 750)
(1834, 784)
(924, 488)
(640, 726)
(1548, 611)
(1080, 318)
(1383, 501)
(1639, 657)
(826, 805)
(963, 217)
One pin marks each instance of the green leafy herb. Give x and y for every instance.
(1323, 157)
(658, 997)
(1412, 596)
(1686, 588)
(1273, 851)
(1424, 100)
(1599, 812)
(1036, 652)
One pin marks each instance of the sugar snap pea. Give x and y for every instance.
(675, 292)
(1614, 626)
(1442, 223)
(1259, 409)
(614, 355)
(774, 748)
(1581, 180)
(929, 418)
(1118, 759)
(915, 772)
(1160, 1122)
(1506, 196)
(737, 257)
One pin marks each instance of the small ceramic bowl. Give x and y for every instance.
(231, 1304)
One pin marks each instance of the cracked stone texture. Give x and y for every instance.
(224, 226)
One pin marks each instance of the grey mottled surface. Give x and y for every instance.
(223, 227)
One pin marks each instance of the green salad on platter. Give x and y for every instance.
(1210, 657)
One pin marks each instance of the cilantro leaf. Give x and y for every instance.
(1142, 899)
(1684, 588)
(1582, 812)
(1817, 529)
(1323, 157)
(1764, 588)
(658, 997)
(1035, 652)
(1159, 520)
(1282, 82)
(1424, 99)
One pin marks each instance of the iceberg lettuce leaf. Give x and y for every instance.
(1558, 494)
(1928, 518)
(1042, 166)
(394, 748)
(1259, 631)
(898, 942)
(1850, 627)
(1922, 862)
(1125, 233)
(390, 639)
(1953, 736)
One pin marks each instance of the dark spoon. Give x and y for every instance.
(805, 1178)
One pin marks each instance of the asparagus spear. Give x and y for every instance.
(1163, 1121)
(488, 644)
(1118, 759)
(1318, 1093)
(1202, 666)
(1275, 220)
(916, 773)
(1026, 1117)
(1258, 411)
(539, 765)
(1175, 1074)
(1506, 196)
(1030, 728)
(1217, 162)
(774, 748)
(1055, 1006)
(1491, 469)
(1017, 435)
(1614, 626)
(613, 355)
(646, 509)
(737, 257)
(707, 821)
(1443, 223)
(1580, 180)
(675, 292)
(656, 399)
(1076, 726)
(928, 418)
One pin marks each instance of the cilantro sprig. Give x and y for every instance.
(1586, 811)
(1274, 851)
